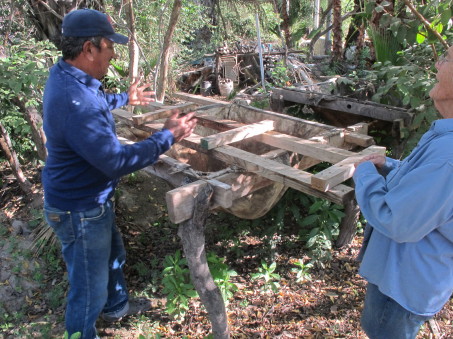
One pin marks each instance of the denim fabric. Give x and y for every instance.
(384, 318)
(94, 253)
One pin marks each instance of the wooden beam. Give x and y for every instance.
(358, 139)
(236, 134)
(198, 99)
(278, 172)
(342, 170)
(181, 200)
(162, 113)
(306, 147)
(344, 104)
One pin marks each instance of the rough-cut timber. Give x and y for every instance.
(341, 104)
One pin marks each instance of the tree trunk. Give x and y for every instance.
(348, 224)
(356, 27)
(11, 156)
(134, 52)
(285, 23)
(192, 236)
(164, 61)
(337, 48)
(47, 15)
(34, 120)
(322, 21)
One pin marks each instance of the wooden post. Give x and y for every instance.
(348, 224)
(192, 236)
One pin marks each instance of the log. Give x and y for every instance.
(192, 237)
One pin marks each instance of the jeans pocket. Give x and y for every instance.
(94, 214)
(61, 223)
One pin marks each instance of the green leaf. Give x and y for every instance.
(420, 38)
(310, 220)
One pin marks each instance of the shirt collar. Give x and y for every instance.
(442, 126)
(80, 75)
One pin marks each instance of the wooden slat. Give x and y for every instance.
(181, 201)
(342, 170)
(306, 147)
(358, 139)
(162, 113)
(236, 134)
(198, 99)
(286, 175)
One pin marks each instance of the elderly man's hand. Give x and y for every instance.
(181, 127)
(138, 95)
(377, 159)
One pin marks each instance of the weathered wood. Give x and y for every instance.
(236, 134)
(358, 139)
(192, 237)
(181, 200)
(341, 171)
(306, 147)
(284, 174)
(198, 99)
(343, 104)
(162, 113)
(348, 225)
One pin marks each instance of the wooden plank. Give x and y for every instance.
(358, 139)
(343, 104)
(162, 113)
(323, 152)
(236, 134)
(181, 200)
(198, 99)
(278, 172)
(342, 170)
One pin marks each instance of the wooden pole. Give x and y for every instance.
(192, 236)
(260, 51)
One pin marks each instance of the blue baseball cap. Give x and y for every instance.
(88, 23)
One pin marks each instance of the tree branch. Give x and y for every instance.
(426, 23)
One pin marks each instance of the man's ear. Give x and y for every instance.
(87, 50)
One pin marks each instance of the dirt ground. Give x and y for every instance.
(327, 306)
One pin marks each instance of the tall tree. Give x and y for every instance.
(134, 52)
(337, 47)
(165, 56)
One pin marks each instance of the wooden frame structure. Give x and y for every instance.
(246, 154)
(311, 141)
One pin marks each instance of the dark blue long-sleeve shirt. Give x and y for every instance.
(85, 159)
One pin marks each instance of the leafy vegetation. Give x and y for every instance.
(403, 74)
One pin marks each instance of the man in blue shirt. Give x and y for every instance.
(408, 260)
(84, 164)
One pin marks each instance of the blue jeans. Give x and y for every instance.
(94, 254)
(384, 318)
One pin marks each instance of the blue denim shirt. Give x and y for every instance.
(85, 159)
(409, 204)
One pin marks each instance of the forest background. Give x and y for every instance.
(395, 45)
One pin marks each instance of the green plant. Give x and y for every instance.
(302, 270)
(279, 74)
(22, 77)
(267, 273)
(323, 220)
(177, 285)
(222, 274)
(76, 335)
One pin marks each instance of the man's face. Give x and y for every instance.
(443, 89)
(101, 58)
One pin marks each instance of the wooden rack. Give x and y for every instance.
(341, 148)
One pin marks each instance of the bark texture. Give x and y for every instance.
(192, 235)
(164, 61)
(14, 163)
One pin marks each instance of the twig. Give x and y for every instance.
(426, 23)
